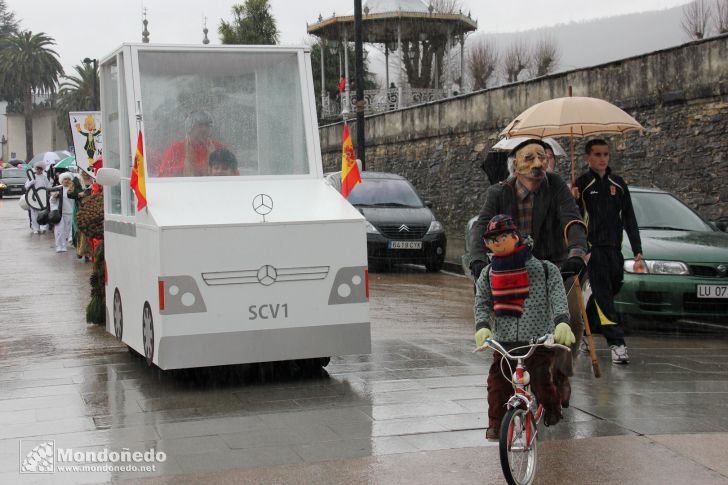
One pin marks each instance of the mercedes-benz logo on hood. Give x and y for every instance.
(263, 204)
(267, 275)
(722, 269)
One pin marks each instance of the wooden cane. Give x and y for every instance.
(587, 330)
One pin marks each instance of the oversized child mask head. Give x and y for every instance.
(501, 235)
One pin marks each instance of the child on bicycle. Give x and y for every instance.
(517, 298)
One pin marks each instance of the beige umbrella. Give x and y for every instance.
(574, 117)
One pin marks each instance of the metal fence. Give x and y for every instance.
(381, 100)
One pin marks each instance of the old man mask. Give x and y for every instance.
(530, 159)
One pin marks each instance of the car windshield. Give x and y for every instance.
(12, 173)
(663, 211)
(384, 193)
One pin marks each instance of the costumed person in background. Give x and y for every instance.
(78, 192)
(518, 298)
(91, 222)
(550, 158)
(190, 157)
(91, 133)
(61, 202)
(39, 180)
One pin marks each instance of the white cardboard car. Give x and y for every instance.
(267, 265)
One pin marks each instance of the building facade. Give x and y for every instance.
(47, 137)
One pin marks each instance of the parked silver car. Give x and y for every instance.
(12, 182)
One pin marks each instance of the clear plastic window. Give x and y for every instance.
(127, 147)
(112, 155)
(222, 113)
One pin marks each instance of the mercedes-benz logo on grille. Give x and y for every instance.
(722, 269)
(263, 204)
(404, 228)
(267, 275)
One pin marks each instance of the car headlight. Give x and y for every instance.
(435, 227)
(371, 229)
(658, 267)
(3, 186)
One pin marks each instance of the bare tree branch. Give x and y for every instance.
(695, 19)
(482, 62)
(545, 57)
(721, 16)
(515, 59)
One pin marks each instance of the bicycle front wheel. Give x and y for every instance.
(517, 457)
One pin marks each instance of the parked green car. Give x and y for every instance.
(687, 262)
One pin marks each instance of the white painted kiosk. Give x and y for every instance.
(264, 265)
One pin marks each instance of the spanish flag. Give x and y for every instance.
(138, 179)
(350, 175)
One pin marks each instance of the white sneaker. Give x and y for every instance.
(35, 232)
(619, 354)
(626, 354)
(63, 250)
(58, 250)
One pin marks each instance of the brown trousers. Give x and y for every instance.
(500, 389)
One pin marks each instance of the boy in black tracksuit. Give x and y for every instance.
(606, 206)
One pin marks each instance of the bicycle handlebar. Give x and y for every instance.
(545, 341)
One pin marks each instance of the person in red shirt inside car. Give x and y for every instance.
(189, 157)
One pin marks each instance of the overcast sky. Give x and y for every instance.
(84, 28)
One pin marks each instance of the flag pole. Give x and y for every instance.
(138, 117)
(359, 64)
(573, 168)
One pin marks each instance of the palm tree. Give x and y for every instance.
(76, 93)
(29, 66)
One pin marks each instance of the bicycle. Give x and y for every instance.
(519, 428)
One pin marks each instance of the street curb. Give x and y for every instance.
(452, 267)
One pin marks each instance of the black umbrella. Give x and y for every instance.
(495, 166)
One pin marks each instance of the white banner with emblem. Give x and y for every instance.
(87, 138)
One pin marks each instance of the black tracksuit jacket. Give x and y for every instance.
(606, 206)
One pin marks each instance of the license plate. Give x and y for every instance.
(405, 244)
(713, 291)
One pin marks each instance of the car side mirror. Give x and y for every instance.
(108, 176)
(428, 204)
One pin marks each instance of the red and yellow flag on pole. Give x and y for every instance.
(350, 175)
(138, 179)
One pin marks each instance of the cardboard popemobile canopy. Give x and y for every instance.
(243, 253)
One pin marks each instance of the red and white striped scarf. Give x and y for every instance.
(509, 281)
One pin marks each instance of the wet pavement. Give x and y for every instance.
(413, 411)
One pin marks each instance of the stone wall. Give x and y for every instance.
(680, 95)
